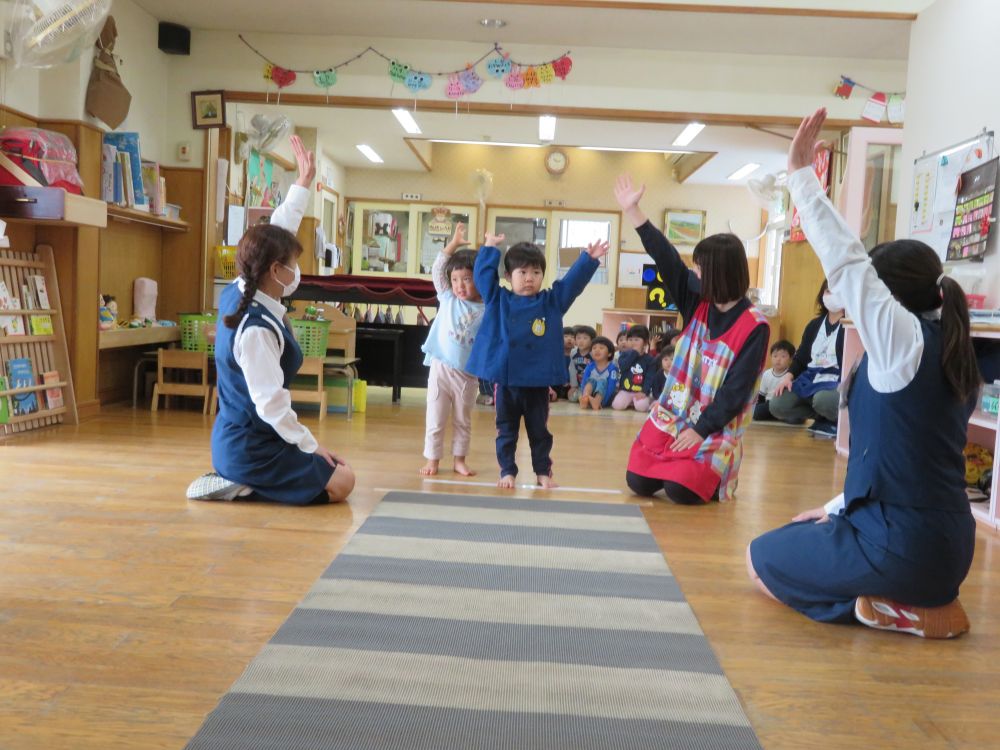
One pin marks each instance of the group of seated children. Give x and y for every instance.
(629, 374)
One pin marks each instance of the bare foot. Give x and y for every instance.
(596, 403)
(584, 402)
(462, 468)
(546, 483)
(506, 483)
(430, 468)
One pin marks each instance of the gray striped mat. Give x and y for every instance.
(480, 622)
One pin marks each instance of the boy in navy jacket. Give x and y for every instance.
(520, 345)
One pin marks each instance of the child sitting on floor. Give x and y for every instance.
(600, 379)
(621, 344)
(781, 359)
(569, 343)
(635, 364)
(449, 388)
(579, 359)
(519, 346)
(652, 389)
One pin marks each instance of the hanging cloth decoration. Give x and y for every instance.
(845, 88)
(531, 78)
(515, 78)
(325, 79)
(498, 67)
(471, 82)
(454, 90)
(546, 73)
(563, 66)
(398, 71)
(874, 109)
(417, 82)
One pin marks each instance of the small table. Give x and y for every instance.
(395, 336)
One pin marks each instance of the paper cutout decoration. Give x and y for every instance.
(398, 71)
(417, 81)
(325, 78)
(454, 90)
(896, 108)
(563, 66)
(282, 77)
(531, 78)
(845, 89)
(498, 67)
(470, 79)
(546, 73)
(515, 78)
(874, 109)
(268, 70)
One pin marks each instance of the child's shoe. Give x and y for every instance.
(948, 621)
(823, 429)
(214, 487)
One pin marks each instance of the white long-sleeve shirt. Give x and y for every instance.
(258, 351)
(891, 334)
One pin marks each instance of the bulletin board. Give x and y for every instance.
(630, 269)
(935, 188)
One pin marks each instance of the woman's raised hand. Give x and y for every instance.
(306, 160)
(806, 142)
(628, 197)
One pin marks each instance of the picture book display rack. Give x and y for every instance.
(47, 352)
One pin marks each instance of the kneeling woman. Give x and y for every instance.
(893, 549)
(259, 448)
(692, 443)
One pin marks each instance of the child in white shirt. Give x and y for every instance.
(781, 359)
(451, 390)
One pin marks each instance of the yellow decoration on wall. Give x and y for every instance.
(546, 73)
(268, 71)
(531, 78)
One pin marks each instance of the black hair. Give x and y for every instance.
(911, 270)
(523, 255)
(569, 331)
(725, 276)
(585, 329)
(261, 246)
(820, 307)
(667, 352)
(621, 333)
(784, 346)
(462, 260)
(605, 341)
(639, 332)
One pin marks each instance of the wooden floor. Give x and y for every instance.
(126, 611)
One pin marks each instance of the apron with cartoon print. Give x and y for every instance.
(698, 370)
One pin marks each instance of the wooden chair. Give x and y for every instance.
(312, 366)
(178, 359)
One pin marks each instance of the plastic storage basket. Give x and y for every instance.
(312, 336)
(225, 262)
(198, 332)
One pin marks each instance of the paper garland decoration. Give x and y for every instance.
(877, 104)
(462, 82)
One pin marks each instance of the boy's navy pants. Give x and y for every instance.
(532, 404)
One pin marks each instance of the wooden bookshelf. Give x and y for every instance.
(51, 206)
(120, 213)
(138, 337)
(47, 353)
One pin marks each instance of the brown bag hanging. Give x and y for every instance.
(107, 98)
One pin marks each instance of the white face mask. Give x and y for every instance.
(832, 302)
(288, 289)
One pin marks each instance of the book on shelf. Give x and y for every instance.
(21, 374)
(119, 194)
(37, 284)
(128, 187)
(53, 396)
(41, 325)
(9, 324)
(151, 183)
(27, 298)
(128, 143)
(109, 156)
(4, 402)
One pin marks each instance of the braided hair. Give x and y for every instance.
(261, 246)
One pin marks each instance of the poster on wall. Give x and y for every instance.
(260, 178)
(974, 212)
(924, 184)
(657, 295)
(684, 226)
(821, 165)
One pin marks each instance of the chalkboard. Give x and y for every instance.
(935, 188)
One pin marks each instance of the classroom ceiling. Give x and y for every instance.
(341, 130)
(566, 25)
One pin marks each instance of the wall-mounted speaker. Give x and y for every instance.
(175, 39)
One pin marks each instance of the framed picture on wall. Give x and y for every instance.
(207, 109)
(684, 226)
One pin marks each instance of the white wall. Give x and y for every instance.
(951, 96)
(629, 79)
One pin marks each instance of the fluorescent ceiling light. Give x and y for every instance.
(493, 23)
(546, 128)
(487, 143)
(745, 171)
(369, 153)
(636, 150)
(689, 133)
(407, 121)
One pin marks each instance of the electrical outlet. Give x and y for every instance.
(411, 196)
(553, 203)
